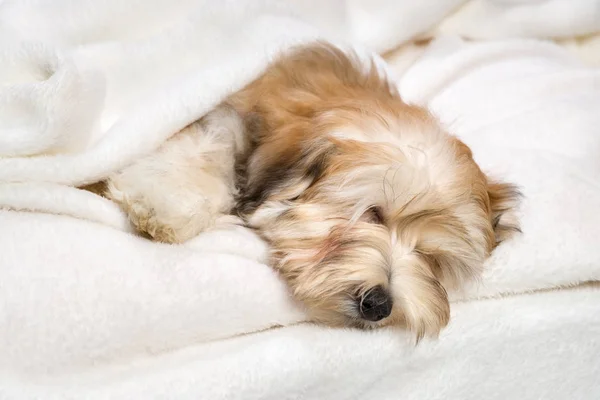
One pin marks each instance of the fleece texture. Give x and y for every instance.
(90, 310)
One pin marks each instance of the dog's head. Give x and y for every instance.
(372, 210)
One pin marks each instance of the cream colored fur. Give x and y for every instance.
(185, 186)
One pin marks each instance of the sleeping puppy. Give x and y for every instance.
(370, 208)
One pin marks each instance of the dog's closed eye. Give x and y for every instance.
(373, 215)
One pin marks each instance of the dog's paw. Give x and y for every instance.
(169, 210)
(164, 217)
(172, 225)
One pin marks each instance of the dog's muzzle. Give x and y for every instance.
(376, 304)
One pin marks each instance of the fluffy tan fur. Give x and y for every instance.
(371, 209)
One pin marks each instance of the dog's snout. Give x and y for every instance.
(376, 304)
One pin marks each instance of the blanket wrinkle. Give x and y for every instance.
(89, 309)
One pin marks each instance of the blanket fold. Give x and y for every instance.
(87, 86)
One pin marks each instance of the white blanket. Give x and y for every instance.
(89, 310)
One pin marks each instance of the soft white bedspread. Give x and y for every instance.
(89, 310)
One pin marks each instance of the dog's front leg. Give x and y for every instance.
(181, 189)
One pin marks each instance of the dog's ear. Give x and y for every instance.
(282, 169)
(505, 199)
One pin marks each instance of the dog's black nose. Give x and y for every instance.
(376, 304)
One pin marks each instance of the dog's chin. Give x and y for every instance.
(338, 319)
(343, 311)
(334, 294)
